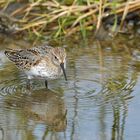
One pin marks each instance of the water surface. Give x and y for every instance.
(101, 99)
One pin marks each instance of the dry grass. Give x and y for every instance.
(52, 17)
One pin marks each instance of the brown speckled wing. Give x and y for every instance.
(23, 59)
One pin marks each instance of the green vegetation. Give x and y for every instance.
(66, 17)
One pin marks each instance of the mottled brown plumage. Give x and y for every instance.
(43, 62)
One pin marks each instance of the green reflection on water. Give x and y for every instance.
(101, 80)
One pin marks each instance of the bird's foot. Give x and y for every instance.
(46, 84)
(29, 87)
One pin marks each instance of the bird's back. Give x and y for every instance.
(25, 59)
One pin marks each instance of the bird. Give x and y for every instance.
(41, 62)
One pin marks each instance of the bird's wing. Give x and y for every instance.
(43, 50)
(23, 59)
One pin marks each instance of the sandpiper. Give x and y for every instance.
(43, 62)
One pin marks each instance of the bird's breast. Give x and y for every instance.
(44, 70)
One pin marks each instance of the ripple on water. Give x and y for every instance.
(10, 87)
(91, 96)
(98, 88)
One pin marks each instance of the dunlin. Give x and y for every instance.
(40, 62)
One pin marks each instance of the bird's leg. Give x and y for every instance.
(46, 83)
(28, 84)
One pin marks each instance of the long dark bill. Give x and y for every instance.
(62, 66)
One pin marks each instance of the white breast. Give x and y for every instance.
(44, 71)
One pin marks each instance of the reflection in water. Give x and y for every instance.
(117, 92)
(1, 134)
(103, 83)
(43, 111)
(117, 97)
(100, 100)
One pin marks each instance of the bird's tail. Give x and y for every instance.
(12, 55)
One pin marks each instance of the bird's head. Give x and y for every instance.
(59, 58)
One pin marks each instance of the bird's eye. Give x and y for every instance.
(56, 58)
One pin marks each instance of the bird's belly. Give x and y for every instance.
(43, 72)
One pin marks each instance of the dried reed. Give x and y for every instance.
(52, 17)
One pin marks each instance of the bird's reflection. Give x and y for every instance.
(41, 107)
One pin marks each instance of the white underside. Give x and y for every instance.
(44, 72)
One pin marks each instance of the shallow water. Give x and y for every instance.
(100, 101)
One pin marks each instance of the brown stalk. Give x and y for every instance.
(99, 16)
(32, 25)
(124, 15)
(31, 6)
(19, 11)
(133, 6)
(75, 29)
(84, 16)
(55, 10)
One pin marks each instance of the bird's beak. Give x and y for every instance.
(62, 66)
